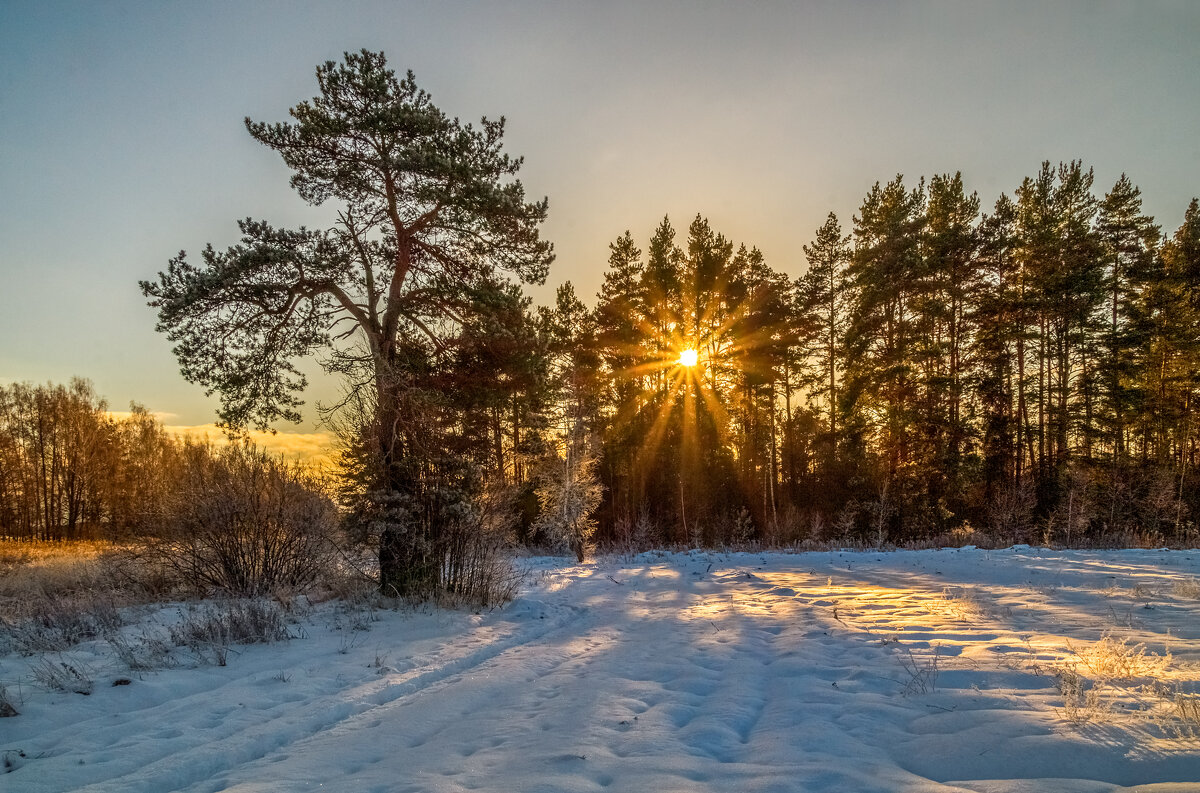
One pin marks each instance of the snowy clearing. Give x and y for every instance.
(1013, 670)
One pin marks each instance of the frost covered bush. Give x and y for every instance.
(7, 708)
(245, 523)
(568, 493)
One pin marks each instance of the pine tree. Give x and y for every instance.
(1170, 366)
(623, 329)
(880, 387)
(821, 315)
(997, 316)
(621, 310)
(951, 272)
(429, 211)
(662, 285)
(1129, 241)
(1074, 291)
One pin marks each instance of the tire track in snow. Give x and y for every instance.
(497, 684)
(198, 764)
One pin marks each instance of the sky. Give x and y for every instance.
(122, 138)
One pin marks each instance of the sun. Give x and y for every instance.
(688, 358)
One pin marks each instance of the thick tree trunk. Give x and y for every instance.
(408, 566)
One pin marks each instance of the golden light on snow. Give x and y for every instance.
(688, 358)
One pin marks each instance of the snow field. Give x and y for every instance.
(907, 671)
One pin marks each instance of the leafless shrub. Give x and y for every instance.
(354, 589)
(816, 527)
(1161, 508)
(632, 535)
(1010, 513)
(245, 523)
(1076, 509)
(846, 522)
(476, 570)
(880, 512)
(784, 528)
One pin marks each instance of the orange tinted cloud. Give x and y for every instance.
(308, 447)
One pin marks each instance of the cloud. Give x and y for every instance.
(309, 447)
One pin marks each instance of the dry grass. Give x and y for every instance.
(1112, 669)
(33, 571)
(8, 705)
(1145, 592)
(63, 674)
(30, 570)
(210, 630)
(1118, 659)
(1187, 588)
(18, 553)
(54, 595)
(1084, 700)
(921, 672)
(144, 653)
(1184, 719)
(964, 604)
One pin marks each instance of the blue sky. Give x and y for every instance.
(121, 137)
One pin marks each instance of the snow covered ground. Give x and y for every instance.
(913, 671)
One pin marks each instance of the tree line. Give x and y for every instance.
(1030, 371)
(937, 369)
(208, 517)
(71, 470)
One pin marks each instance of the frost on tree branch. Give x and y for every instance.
(569, 493)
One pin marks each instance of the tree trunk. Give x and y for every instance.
(407, 563)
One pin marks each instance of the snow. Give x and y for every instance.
(664, 672)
